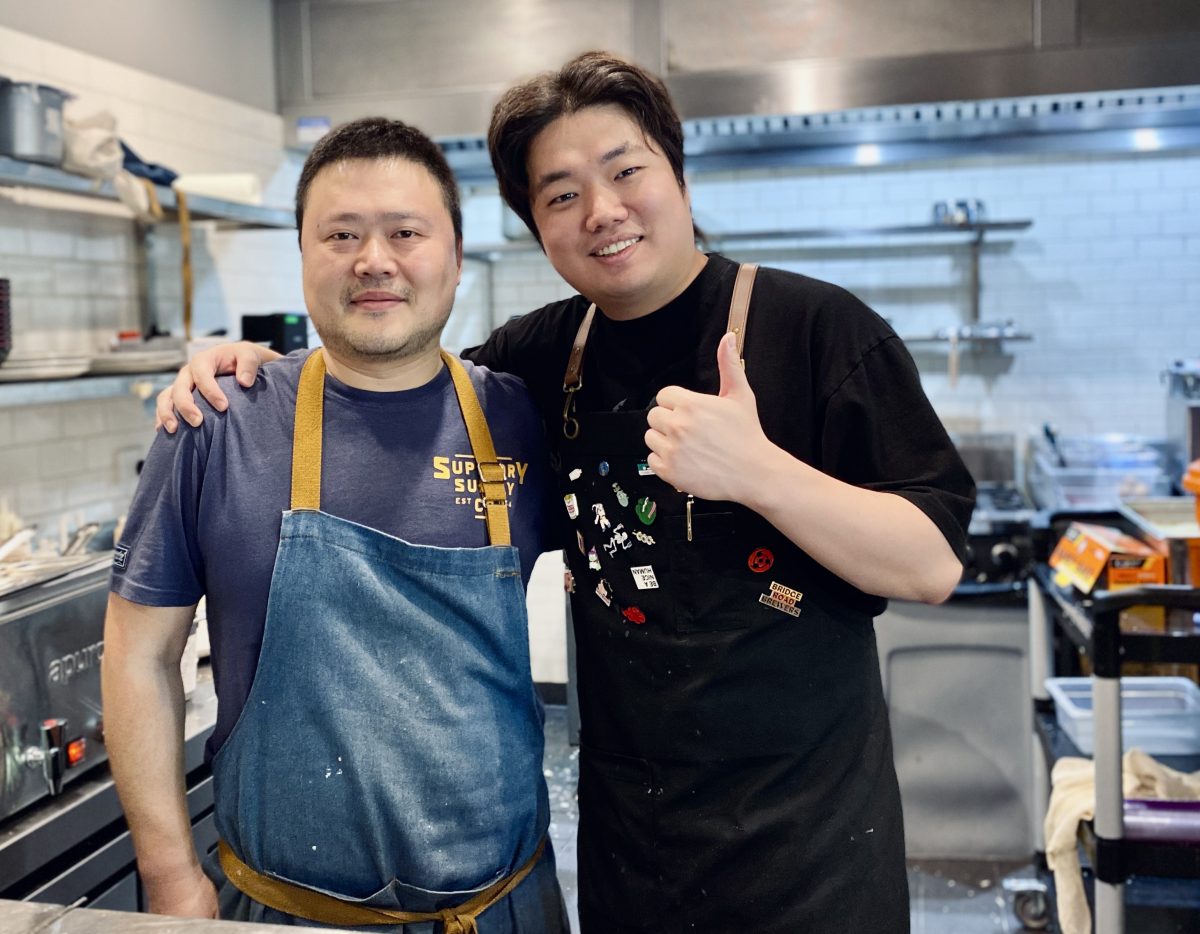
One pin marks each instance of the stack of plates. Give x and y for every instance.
(43, 366)
(137, 361)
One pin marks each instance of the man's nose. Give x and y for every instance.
(605, 208)
(374, 259)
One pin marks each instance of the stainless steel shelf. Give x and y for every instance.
(82, 388)
(970, 233)
(14, 172)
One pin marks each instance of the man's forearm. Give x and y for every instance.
(881, 543)
(143, 715)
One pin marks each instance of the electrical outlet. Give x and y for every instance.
(128, 461)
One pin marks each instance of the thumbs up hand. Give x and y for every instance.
(709, 446)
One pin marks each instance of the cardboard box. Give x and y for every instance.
(1098, 557)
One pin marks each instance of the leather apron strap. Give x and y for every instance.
(326, 909)
(306, 444)
(739, 309)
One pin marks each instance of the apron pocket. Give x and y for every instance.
(705, 570)
(617, 851)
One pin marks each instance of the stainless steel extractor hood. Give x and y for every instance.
(773, 81)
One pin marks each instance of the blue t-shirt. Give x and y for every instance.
(206, 516)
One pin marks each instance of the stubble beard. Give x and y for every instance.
(377, 348)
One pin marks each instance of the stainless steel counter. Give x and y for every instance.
(28, 918)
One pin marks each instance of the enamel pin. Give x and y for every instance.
(782, 598)
(646, 510)
(644, 577)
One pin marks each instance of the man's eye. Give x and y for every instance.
(563, 198)
(405, 234)
(341, 235)
(625, 173)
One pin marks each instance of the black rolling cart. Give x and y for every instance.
(1065, 626)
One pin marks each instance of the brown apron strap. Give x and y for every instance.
(739, 305)
(573, 378)
(306, 434)
(306, 444)
(491, 471)
(326, 909)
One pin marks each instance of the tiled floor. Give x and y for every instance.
(947, 898)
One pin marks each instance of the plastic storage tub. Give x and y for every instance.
(1160, 716)
(1095, 473)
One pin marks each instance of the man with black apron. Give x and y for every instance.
(748, 469)
(378, 756)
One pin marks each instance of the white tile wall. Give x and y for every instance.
(1107, 280)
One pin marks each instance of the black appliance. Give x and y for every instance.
(1000, 547)
(283, 331)
(51, 642)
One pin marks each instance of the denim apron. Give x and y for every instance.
(735, 756)
(390, 750)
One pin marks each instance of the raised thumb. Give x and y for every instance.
(729, 366)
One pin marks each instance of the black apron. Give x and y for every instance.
(736, 764)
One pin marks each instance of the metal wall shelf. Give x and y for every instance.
(14, 172)
(83, 388)
(973, 234)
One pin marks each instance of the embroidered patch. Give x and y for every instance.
(782, 598)
(646, 510)
(644, 577)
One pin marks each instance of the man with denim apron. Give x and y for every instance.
(731, 532)
(380, 763)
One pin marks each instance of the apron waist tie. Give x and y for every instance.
(327, 909)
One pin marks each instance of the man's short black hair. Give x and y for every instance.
(380, 138)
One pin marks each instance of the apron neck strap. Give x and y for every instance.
(739, 305)
(739, 309)
(306, 444)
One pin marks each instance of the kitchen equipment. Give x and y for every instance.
(956, 681)
(31, 121)
(282, 331)
(51, 641)
(1160, 716)
(1183, 407)
(5, 321)
(1095, 471)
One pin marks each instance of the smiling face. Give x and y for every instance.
(380, 263)
(613, 220)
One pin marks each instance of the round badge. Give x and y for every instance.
(604, 468)
(634, 615)
(760, 560)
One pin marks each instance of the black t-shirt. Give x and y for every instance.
(836, 387)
